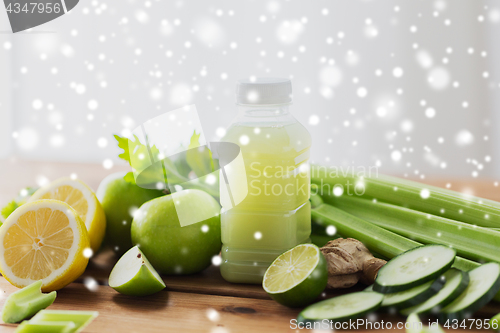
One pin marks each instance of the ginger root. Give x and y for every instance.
(349, 261)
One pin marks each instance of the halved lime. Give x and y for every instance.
(134, 275)
(297, 276)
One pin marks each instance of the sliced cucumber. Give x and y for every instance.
(484, 284)
(456, 282)
(341, 308)
(413, 268)
(413, 296)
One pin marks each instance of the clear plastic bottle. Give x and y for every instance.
(275, 215)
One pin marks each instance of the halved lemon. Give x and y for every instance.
(79, 196)
(43, 240)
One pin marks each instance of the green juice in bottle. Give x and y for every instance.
(272, 212)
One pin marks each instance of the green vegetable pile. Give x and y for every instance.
(395, 215)
(443, 247)
(410, 223)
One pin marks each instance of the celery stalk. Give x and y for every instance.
(469, 241)
(413, 195)
(46, 327)
(379, 240)
(80, 318)
(375, 238)
(26, 302)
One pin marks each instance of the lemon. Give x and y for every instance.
(79, 196)
(297, 277)
(43, 240)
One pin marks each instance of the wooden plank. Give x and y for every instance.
(178, 312)
(168, 311)
(208, 282)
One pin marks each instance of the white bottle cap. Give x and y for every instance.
(264, 91)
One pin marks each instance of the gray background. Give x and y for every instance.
(106, 67)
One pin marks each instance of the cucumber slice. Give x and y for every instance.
(484, 284)
(413, 296)
(413, 268)
(341, 308)
(456, 282)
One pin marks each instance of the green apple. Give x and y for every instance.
(180, 232)
(120, 199)
(134, 275)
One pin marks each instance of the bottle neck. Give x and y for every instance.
(263, 110)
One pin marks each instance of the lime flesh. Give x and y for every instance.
(297, 277)
(134, 275)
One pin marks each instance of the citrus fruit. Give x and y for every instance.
(179, 233)
(120, 199)
(43, 240)
(297, 276)
(79, 196)
(134, 275)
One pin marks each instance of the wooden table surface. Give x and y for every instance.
(198, 303)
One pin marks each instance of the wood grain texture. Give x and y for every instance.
(185, 304)
(167, 311)
(208, 282)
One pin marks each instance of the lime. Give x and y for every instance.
(134, 275)
(297, 276)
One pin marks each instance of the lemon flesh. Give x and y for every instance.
(82, 199)
(43, 240)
